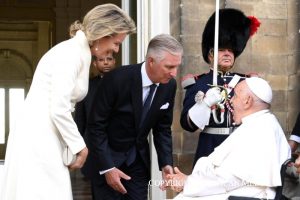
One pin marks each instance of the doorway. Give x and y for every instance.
(21, 45)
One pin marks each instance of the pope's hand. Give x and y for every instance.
(213, 96)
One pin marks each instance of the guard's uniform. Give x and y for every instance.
(213, 134)
(235, 29)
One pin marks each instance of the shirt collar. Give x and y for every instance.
(145, 78)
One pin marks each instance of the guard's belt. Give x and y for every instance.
(219, 131)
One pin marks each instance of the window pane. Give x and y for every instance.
(2, 117)
(16, 99)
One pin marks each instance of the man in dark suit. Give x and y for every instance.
(133, 100)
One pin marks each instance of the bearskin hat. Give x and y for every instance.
(234, 31)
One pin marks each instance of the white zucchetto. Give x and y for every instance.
(260, 88)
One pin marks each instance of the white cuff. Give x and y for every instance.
(200, 114)
(295, 138)
(104, 171)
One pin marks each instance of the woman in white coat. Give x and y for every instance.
(34, 168)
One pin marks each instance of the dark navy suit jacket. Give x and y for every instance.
(114, 124)
(83, 108)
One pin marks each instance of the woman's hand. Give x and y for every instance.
(80, 159)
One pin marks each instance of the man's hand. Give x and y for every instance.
(176, 181)
(294, 145)
(297, 164)
(166, 170)
(213, 96)
(80, 159)
(113, 179)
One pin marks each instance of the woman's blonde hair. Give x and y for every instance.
(104, 20)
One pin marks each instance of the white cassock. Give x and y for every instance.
(247, 163)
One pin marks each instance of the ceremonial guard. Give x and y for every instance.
(206, 106)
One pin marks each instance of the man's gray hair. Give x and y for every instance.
(163, 43)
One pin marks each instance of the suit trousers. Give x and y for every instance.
(137, 186)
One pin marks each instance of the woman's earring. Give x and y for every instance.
(97, 43)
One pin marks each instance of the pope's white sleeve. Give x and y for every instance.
(207, 179)
(295, 138)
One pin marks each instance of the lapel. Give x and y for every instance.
(136, 95)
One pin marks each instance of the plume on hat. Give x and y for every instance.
(234, 31)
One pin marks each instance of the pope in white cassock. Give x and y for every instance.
(248, 162)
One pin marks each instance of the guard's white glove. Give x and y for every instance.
(213, 96)
(200, 112)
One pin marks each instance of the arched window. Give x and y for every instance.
(15, 77)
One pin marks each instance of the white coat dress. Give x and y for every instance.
(33, 168)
